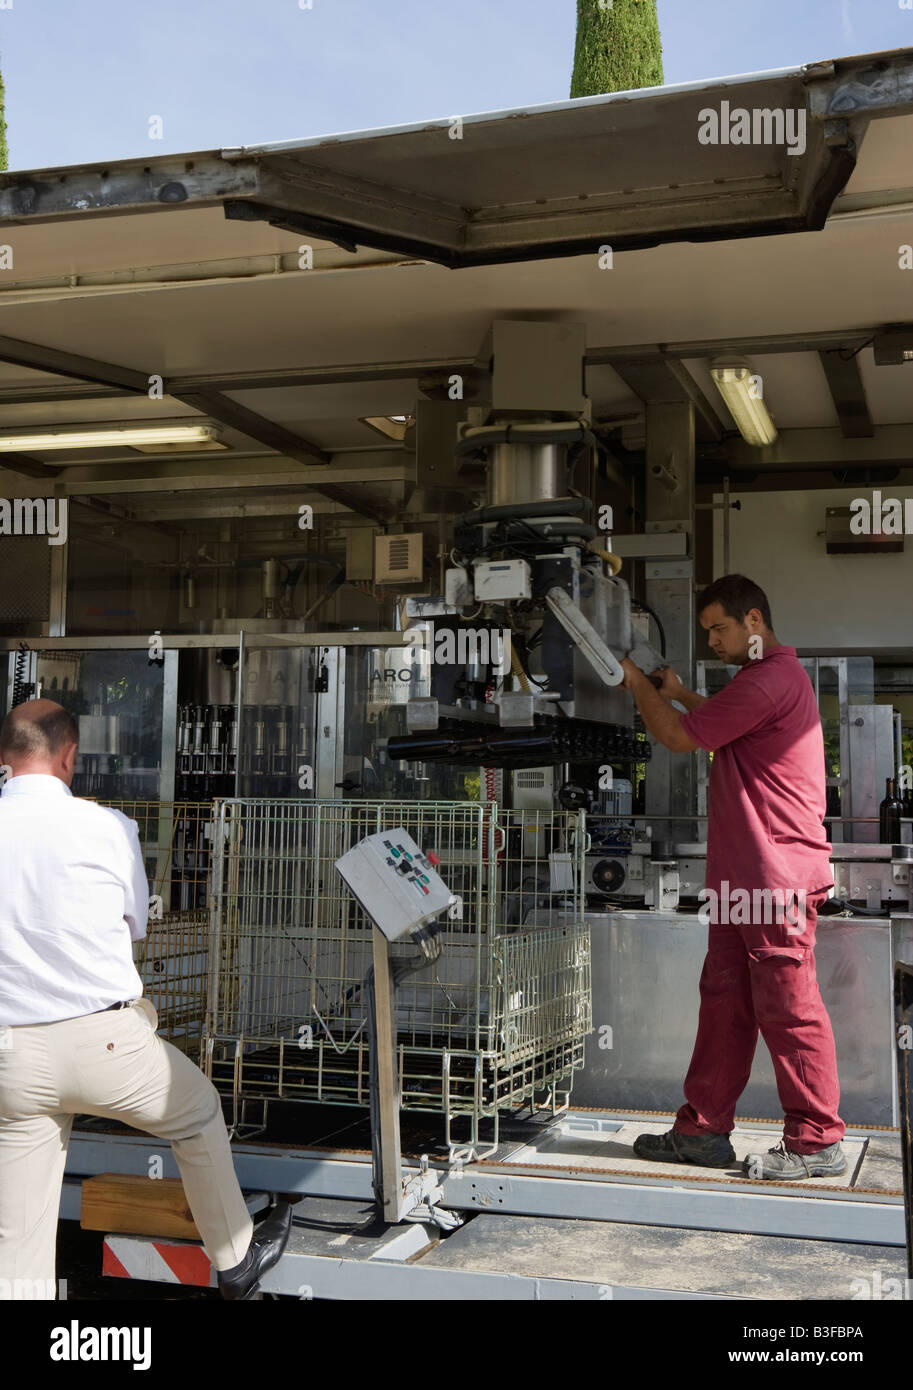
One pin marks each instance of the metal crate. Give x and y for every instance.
(497, 1022)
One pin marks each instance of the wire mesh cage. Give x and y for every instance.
(173, 958)
(497, 1022)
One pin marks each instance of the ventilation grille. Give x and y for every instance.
(530, 778)
(398, 559)
(398, 556)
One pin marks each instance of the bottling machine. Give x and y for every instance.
(486, 706)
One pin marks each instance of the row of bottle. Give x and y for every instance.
(276, 740)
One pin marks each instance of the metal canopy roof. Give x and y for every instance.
(626, 168)
(112, 282)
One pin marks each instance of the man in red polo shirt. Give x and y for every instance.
(768, 871)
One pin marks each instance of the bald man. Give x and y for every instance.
(76, 1035)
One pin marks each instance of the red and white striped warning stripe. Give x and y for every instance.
(163, 1261)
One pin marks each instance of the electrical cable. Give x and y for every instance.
(645, 607)
(20, 685)
(848, 356)
(523, 676)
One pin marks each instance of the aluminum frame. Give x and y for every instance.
(695, 1204)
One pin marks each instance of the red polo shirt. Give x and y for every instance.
(767, 794)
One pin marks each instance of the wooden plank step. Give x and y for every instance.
(134, 1205)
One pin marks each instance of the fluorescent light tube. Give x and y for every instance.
(734, 381)
(108, 438)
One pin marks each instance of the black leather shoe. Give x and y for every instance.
(702, 1150)
(266, 1246)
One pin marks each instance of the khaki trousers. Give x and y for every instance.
(109, 1064)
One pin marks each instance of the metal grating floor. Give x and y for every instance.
(601, 1146)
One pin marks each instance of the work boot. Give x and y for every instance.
(702, 1150)
(266, 1246)
(785, 1163)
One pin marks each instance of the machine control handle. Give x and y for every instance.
(584, 635)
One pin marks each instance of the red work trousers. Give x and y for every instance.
(761, 978)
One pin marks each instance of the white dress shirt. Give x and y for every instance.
(73, 896)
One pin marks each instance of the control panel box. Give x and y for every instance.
(395, 882)
(501, 579)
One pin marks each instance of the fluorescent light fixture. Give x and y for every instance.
(735, 382)
(133, 437)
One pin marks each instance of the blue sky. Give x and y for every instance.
(84, 77)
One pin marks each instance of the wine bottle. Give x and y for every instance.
(889, 814)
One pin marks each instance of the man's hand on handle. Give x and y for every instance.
(653, 696)
(634, 674)
(671, 686)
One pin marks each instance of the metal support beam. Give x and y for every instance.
(872, 86)
(665, 380)
(438, 368)
(736, 347)
(276, 380)
(891, 446)
(848, 393)
(26, 467)
(248, 422)
(637, 354)
(39, 358)
(697, 1204)
(217, 472)
(128, 186)
(57, 617)
(208, 641)
(670, 785)
(276, 437)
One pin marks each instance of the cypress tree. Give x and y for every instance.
(618, 47)
(4, 154)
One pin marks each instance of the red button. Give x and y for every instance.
(432, 858)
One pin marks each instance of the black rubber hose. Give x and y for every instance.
(515, 527)
(515, 434)
(558, 506)
(831, 906)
